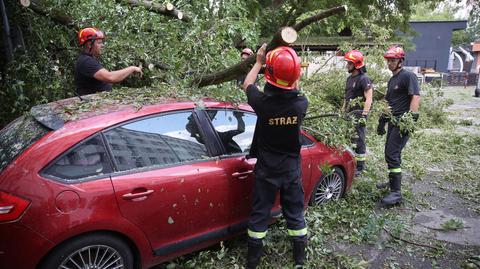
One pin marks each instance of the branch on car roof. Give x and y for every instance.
(284, 36)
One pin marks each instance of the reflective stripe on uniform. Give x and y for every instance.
(300, 232)
(360, 157)
(256, 235)
(395, 170)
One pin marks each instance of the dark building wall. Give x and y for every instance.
(432, 43)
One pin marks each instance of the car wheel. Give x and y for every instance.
(97, 251)
(330, 187)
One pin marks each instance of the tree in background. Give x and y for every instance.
(173, 52)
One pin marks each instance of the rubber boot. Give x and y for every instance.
(477, 92)
(254, 252)
(299, 246)
(395, 196)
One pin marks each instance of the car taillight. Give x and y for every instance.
(11, 207)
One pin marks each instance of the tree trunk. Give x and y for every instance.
(284, 36)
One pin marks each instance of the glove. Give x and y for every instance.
(382, 121)
(362, 121)
(415, 116)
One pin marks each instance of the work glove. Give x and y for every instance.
(382, 121)
(415, 116)
(362, 121)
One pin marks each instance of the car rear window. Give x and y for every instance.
(17, 136)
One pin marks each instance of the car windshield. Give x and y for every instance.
(17, 136)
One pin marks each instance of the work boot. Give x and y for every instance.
(299, 247)
(360, 168)
(477, 92)
(254, 252)
(395, 196)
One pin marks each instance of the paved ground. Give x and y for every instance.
(442, 205)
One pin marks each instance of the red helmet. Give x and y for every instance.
(247, 51)
(356, 57)
(282, 67)
(90, 33)
(394, 52)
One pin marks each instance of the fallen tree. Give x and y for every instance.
(284, 36)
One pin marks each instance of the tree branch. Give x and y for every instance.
(167, 10)
(56, 15)
(322, 15)
(284, 36)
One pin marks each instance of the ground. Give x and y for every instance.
(438, 225)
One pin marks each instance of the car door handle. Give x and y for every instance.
(131, 196)
(242, 175)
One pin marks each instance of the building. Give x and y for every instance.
(432, 43)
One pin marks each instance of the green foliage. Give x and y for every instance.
(43, 72)
(452, 224)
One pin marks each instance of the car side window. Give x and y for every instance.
(86, 159)
(156, 141)
(235, 129)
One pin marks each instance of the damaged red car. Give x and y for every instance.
(115, 185)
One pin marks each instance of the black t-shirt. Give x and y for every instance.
(401, 87)
(85, 67)
(276, 141)
(356, 87)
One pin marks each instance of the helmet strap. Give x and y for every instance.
(399, 64)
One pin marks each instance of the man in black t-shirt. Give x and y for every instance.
(276, 144)
(359, 89)
(90, 76)
(403, 97)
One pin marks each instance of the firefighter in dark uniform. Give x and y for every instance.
(276, 145)
(403, 97)
(90, 75)
(358, 86)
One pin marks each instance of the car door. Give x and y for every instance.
(234, 130)
(166, 180)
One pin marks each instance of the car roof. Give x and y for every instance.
(55, 114)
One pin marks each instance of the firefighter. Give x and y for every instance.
(90, 75)
(403, 97)
(359, 87)
(280, 109)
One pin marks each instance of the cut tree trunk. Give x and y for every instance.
(284, 36)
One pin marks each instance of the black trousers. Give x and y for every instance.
(394, 145)
(292, 195)
(360, 147)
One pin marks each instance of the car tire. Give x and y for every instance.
(90, 250)
(331, 186)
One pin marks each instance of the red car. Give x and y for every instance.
(113, 185)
